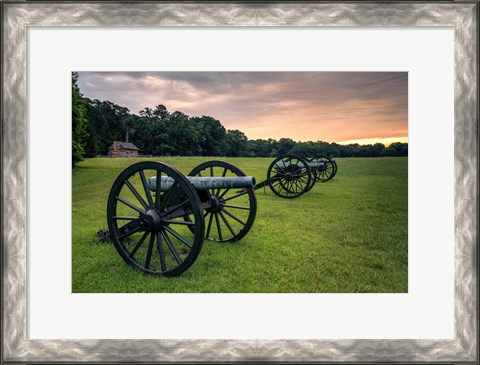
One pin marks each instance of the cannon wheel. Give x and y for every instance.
(314, 177)
(147, 227)
(335, 168)
(231, 212)
(291, 181)
(326, 173)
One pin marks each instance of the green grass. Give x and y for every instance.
(344, 236)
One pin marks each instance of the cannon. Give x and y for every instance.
(158, 218)
(323, 167)
(290, 176)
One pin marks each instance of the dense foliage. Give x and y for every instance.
(158, 132)
(79, 122)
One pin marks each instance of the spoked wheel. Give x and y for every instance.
(314, 177)
(145, 213)
(335, 168)
(289, 176)
(326, 168)
(229, 212)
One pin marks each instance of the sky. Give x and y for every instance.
(342, 107)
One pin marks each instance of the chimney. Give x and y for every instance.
(126, 136)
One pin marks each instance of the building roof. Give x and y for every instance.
(127, 146)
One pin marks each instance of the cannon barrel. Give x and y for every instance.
(321, 161)
(313, 164)
(204, 183)
(316, 163)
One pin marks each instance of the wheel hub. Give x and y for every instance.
(152, 220)
(289, 176)
(215, 204)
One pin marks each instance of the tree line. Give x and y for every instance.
(156, 131)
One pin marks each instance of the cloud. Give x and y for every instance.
(330, 106)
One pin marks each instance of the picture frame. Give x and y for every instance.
(463, 16)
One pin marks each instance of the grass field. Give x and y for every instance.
(344, 236)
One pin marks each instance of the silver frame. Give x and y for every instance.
(18, 15)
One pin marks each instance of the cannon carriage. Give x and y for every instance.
(291, 176)
(324, 167)
(158, 218)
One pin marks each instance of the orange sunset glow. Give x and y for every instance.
(342, 107)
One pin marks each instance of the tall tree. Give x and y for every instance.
(377, 149)
(285, 145)
(160, 111)
(79, 122)
(236, 142)
(401, 149)
(146, 112)
(213, 135)
(185, 135)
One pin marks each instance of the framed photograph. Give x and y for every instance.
(232, 80)
(245, 141)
